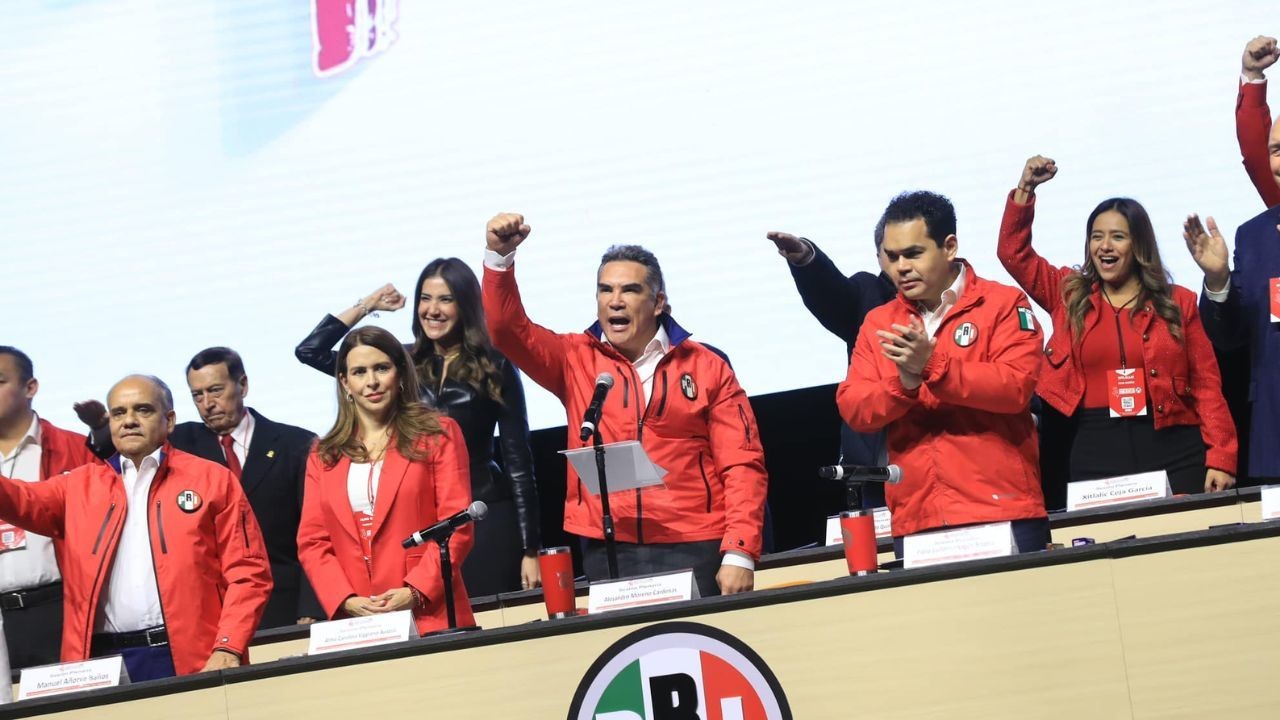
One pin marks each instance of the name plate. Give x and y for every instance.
(46, 680)
(976, 542)
(1084, 494)
(881, 516)
(641, 591)
(362, 632)
(1271, 502)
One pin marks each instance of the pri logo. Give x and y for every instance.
(679, 671)
(966, 334)
(344, 31)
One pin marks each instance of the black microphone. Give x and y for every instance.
(475, 511)
(889, 474)
(591, 418)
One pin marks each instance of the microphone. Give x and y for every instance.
(591, 418)
(475, 511)
(890, 474)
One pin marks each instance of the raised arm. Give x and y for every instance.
(1037, 276)
(537, 351)
(1253, 117)
(316, 349)
(1223, 321)
(839, 303)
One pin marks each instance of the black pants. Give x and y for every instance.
(1105, 447)
(493, 565)
(702, 557)
(34, 632)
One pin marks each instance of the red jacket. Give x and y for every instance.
(61, 450)
(698, 426)
(1183, 384)
(211, 566)
(1253, 132)
(964, 439)
(411, 496)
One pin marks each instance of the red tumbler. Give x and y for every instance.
(556, 564)
(858, 530)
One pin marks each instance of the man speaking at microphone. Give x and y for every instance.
(948, 369)
(678, 398)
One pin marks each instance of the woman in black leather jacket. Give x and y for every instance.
(463, 376)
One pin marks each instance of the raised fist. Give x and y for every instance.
(1260, 54)
(505, 232)
(1038, 170)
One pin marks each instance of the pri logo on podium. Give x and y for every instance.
(679, 671)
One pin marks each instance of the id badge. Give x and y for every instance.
(1275, 300)
(1126, 393)
(12, 538)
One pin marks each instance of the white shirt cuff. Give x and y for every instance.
(1218, 296)
(501, 263)
(1246, 81)
(737, 559)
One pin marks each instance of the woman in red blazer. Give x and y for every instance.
(1129, 360)
(389, 467)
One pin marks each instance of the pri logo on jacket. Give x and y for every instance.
(679, 670)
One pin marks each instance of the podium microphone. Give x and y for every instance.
(889, 474)
(591, 418)
(475, 511)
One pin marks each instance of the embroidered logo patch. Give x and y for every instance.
(966, 334)
(688, 386)
(189, 501)
(1026, 320)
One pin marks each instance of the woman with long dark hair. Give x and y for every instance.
(460, 373)
(389, 466)
(1128, 361)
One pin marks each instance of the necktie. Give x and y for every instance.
(232, 461)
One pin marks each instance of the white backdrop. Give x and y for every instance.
(177, 175)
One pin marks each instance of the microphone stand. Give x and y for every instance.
(446, 572)
(853, 494)
(606, 519)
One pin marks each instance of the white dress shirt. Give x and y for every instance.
(131, 598)
(362, 486)
(645, 366)
(34, 564)
(241, 436)
(933, 319)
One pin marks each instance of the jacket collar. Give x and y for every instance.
(971, 291)
(675, 333)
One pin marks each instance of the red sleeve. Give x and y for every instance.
(870, 399)
(537, 351)
(739, 461)
(38, 507)
(1216, 426)
(1005, 381)
(245, 570)
(1253, 131)
(452, 476)
(315, 548)
(1035, 275)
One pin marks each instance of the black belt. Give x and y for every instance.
(106, 643)
(19, 599)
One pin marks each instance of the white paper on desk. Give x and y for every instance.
(1271, 502)
(626, 465)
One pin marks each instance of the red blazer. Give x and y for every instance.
(965, 438)
(411, 496)
(1183, 382)
(211, 565)
(1253, 132)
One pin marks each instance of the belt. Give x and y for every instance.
(105, 643)
(19, 599)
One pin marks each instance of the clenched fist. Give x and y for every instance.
(1260, 54)
(505, 232)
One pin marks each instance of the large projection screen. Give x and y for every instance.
(186, 174)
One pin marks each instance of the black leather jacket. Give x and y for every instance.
(476, 413)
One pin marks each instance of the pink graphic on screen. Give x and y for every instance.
(347, 30)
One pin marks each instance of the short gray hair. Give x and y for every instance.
(637, 254)
(165, 393)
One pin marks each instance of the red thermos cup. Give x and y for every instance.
(858, 530)
(556, 564)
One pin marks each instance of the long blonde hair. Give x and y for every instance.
(411, 419)
(1155, 286)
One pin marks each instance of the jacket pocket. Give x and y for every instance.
(102, 530)
(1058, 350)
(746, 427)
(164, 546)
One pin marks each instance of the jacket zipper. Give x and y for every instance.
(98, 541)
(244, 528)
(97, 578)
(746, 426)
(155, 569)
(662, 404)
(626, 387)
(705, 483)
(164, 546)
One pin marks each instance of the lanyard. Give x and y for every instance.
(370, 492)
(1115, 311)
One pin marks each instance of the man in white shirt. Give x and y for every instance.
(30, 582)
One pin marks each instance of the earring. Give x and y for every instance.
(350, 397)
